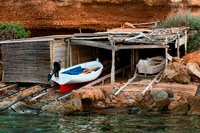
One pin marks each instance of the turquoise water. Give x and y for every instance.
(114, 121)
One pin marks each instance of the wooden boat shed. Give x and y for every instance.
(134, 39)
(31, 60)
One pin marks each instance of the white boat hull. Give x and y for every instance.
(80, 78)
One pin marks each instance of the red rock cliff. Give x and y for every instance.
(84, 14)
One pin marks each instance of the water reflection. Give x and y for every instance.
(112, 122)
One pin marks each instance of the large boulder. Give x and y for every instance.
(181, 108)
(63, 107)
(158, 100)
(88, 93)
(194, 103)
(177, 72)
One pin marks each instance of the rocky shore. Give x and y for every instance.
(177, 93)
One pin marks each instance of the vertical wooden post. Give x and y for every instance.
(166, 60)
(78, 55)
(51, 54)
(136, 56)
(68, 52)
(186, 39)
(166, 52)
(70, 49)
(113, 62)
(178, 47)
(132, 60)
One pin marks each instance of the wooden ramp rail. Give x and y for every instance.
(8, 86)
(157, 78)
(129, 81)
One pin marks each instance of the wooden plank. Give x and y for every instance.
(26, 40)
(107, 76)
(141, 46)
(90, 38)
(105, 45)
(182, 40)
(7, 87)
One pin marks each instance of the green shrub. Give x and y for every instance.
(12, 31)
(184, 18)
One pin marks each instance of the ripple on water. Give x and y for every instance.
(111, 122)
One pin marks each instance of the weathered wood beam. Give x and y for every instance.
(89, 38)
(141, 46)
(7, 87)
(107, 76)
(152, 82)
(129, 81)
(97, 44)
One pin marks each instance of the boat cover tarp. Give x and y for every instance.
(74, 71)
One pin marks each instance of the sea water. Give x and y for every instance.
(113, 121)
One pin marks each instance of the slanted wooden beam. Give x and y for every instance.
(129, 81)
(97, 44)
(152, 82)
(141, 46)
(107, 76)
(7, 87)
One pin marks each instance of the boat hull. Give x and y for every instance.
(69, 82)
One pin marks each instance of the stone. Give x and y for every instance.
(177, 72)
(92, 94)
(181, 108)
(194, 103)
(63, 107)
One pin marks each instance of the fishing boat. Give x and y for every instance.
(151, 65)
(75, 76)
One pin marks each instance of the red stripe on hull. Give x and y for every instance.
(69, 87)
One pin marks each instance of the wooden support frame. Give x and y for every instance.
(113, 62)
(68, 52)
(186, 40)
(141, 46)
(97, 44)
(132, 60)
(152, 82)
(178, 47)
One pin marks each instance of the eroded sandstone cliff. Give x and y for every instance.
(85, 14)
